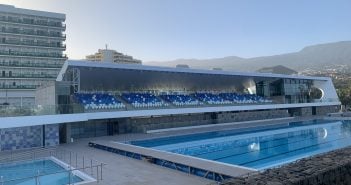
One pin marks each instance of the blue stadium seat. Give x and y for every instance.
(181, 99)
(143, 100)
(244, 98)
(212, 99)
(96, 101)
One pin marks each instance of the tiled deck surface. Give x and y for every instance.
(121, 170)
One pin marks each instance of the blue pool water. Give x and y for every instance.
(53, 173)
(259, 149)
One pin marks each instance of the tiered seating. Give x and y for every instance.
(96, 101)
(143, 100)
(212, 99)
(180, 99)
(244, 98)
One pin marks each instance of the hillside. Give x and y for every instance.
(309, 57)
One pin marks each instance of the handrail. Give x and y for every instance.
(75, 161)
(58, 172)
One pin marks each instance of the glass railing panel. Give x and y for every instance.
(33, 22)
(8, 110)
(34, 33)
(18, 87)
(19, 53)
(30, 65)
(53, 45)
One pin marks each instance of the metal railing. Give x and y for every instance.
(28, 64)
(28, 75)
(33, 22)
(45, 34)
(10, 110)
(75, 163)
(18, 86)
(33, 54)
(39, 44)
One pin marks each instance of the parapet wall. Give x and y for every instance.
(161, 122)
(332, 168)
(327, 109)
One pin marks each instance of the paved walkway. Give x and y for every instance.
(122, 170)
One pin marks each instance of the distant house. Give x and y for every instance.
(278, 70)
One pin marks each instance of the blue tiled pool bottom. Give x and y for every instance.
(259, 149)
(22, 173)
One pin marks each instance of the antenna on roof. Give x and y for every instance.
(106, 46)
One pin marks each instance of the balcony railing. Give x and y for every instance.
(33, 54)
(46, 34)
(36, 65)
(28, 75)
(12, 110)
(18, 87)
(33, 22)
(50, 45)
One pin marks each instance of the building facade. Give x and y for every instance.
(31, 52)
(107, 55)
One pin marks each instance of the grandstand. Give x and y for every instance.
(94, 101)
(105, 101)
(97, 99)
(181, 99)
(140, 100)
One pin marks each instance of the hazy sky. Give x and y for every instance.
(171, 29)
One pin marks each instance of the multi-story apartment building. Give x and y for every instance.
(107, 55)
(31, 52)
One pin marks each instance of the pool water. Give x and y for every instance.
(23, 173)
(259, 149)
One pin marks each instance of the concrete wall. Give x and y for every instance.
(46, 95)
(150, 123)
(252, 115)
(327, 109)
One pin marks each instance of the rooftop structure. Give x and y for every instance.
(112, 56)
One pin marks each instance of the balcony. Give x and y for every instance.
(27, 64)
(38, 44)
(9, 87)
(28, 75)
(33, 22)
(33, 33)
(32, 54)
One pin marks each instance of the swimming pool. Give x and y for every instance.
(23, 173)
(259, 149)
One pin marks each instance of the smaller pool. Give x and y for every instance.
(23, 173)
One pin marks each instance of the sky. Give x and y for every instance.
(161, 30)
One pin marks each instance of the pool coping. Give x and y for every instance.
(77, 172)
(218, 125)
(223, 170)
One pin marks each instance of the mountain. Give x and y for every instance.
(278, 70)
(314, 56)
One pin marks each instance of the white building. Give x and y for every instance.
(31, 52)
(107, 55)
